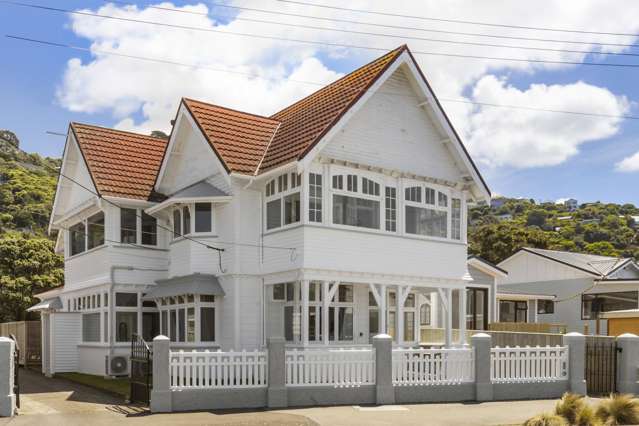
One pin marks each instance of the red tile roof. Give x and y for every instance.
(239, 138)
(122, 164)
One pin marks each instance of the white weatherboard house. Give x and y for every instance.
(329, 222)
(549, 286)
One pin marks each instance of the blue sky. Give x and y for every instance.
(32, 74)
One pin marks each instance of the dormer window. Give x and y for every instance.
(283, 207)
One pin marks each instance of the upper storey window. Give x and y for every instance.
(137, 227)
(283, 201)
(87, 234)
(430, 217)
(192, 219)
(359, 205)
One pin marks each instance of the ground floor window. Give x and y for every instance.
(91, 327)
(126, 325)
(545, 307)
(187, 318)
(513, 311)
(150, 325)
(593, 304)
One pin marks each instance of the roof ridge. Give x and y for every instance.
(95, 126)
(611, 258)
(379, 58)
(231, 109)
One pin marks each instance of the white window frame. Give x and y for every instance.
(357, 194)
(280, 193)
(424, 205)
(196, 304)
(138, 228)
(392, 307)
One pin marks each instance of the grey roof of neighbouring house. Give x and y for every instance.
(186, 284)
(593, 264)
(200, 189)
(47, 304)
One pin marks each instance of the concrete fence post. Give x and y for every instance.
(627, 363)
(481, 343)
(7, 397)
(383, 344)
(576, 343)
(276, 395)
(161, 394)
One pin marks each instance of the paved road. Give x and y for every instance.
(59, 402)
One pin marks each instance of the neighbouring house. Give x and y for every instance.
(571, 204)
(504, 217)
(497, 202)
(573, 289)
(336, 219)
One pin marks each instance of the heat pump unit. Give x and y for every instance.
(117, 365)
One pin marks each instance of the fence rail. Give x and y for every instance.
(335, 367)
(432, 366)
(529, 364)
(218, 369)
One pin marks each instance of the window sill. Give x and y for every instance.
(283, 228)
(193, 236)
(94, 249)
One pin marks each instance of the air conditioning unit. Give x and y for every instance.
(116, 365)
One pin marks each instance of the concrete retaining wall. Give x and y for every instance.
(277, 394)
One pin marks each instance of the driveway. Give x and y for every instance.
(59, 402)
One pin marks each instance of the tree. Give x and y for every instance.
(536, 218)
(27, 266)
(602, 248)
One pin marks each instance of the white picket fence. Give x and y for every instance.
(529, 364)
(218, 369)
(330, 367)
(433, 366)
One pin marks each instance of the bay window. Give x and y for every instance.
(77, 238)
(137, 227)
(128, 225)
(354, 211)
(95, 225)
(192, 219)
(283, 206)
(87, 234)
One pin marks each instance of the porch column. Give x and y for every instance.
(305, 312)
(382, 310)
(399, 316)
(462, 316)
(446, 298)
(325, 305)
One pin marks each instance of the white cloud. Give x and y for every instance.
(143, 95)
(629, 164)
(525, 138)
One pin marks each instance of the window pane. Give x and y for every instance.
(345, 293)
(149, 230)
(126, 299)
(278, 291)
(605, 302)
(429, 196)
(413, 194)
(126, 324)
(150, 325)
(186, 220)
(506, 311)
(181, 325)
(424, 314)
(290, 292)
(203, 217)
(190, 325)
(315, 197)
(355, 212)
(128, 226)
(273, 214)
(96, 230)
(177, 224)
(391, 324)
(456, 219)
(76, 237)
(373, 322)
(351, 183)
(428, 222)
(165, 323)
(292, 208)
(390, 205)
(172, 326)
(209, 298)
(409, 326)
(207, 324)
(91, 327)
(345, 318)
(442, 199)
(288, 323)
(545, 307)
(371, 299)
(106, 327)
(410, 301)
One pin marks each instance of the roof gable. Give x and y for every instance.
(122, 164)
(592, 264)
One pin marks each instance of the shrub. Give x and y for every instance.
(586, 417)
(546, 419)
(569, 407)
(619, 409)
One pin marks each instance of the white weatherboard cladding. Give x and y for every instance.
(391, 131)
(190, 159)
(92, 359)
(527, 267)
(627, 272)
(250, 304)
(66, 330)
(345, 250)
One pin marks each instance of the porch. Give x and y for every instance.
(353, 312)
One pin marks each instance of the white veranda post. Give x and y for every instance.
(462, 316)
(304, 289)
(446, 298)
(328, 292)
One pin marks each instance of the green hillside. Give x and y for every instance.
(598, 228)
(28, 263)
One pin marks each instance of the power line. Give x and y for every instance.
(407, 37)
(350, 21)
(330, 44)
(457, 21)
(630, 117)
